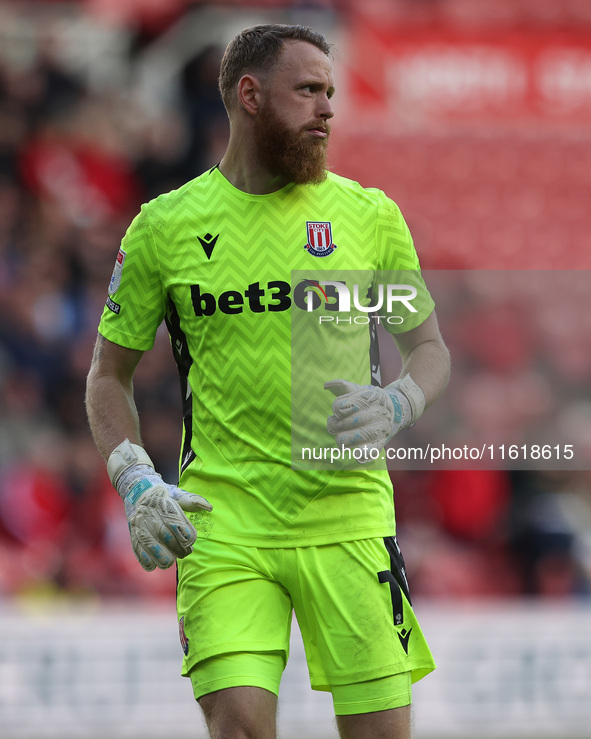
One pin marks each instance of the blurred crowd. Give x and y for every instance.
(75, 165)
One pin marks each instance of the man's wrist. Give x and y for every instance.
(402, 411)
(411, 398)
(123, 458)
(136, 480)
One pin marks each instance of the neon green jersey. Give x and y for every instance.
(218, 264)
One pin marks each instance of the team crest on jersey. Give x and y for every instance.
(183, 636)
(319, 238)
(117, 272)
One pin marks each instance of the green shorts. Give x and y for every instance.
(362, 640)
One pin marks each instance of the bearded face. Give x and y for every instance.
(295, 154)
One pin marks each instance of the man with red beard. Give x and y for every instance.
(218, 260)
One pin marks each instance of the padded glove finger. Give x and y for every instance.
(163, 517)
(359, 419)
(189, 502)
(375, 435)
(147, 550)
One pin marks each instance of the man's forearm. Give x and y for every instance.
(429, 366)
(111, 409)
(112, 414)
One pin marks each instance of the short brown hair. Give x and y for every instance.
(257, 49)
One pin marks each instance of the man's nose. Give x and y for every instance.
(325, 108)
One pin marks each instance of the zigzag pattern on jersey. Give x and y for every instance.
(394, 242)
(241, 391)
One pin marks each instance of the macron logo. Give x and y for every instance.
(208, 242)
(404, 636)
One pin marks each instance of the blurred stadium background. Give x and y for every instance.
(474, 115)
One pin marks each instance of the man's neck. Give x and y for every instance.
(243, 171)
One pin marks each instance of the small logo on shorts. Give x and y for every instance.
(183, 636)
(404, 636)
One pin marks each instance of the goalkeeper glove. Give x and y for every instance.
(159, 529)
(368, 416)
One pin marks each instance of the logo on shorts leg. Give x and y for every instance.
(404, 636)
(183, 636)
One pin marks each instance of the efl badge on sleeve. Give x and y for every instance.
(319, 238)
(117, 272)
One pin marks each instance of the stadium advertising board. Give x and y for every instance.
(429, 77)
(504, 670)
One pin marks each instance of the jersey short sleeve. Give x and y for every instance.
(399, 271)
(136, 302)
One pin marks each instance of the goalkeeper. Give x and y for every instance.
(253, 539)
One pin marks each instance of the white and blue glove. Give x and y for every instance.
(160, 532)
(368, 416)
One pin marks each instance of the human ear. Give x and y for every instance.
(249, 93)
